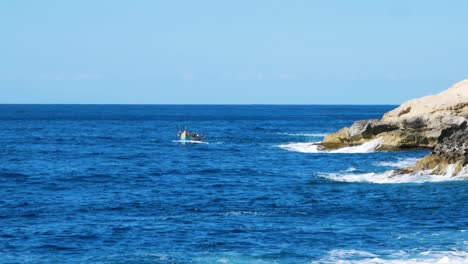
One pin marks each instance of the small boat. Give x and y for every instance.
(185, 136)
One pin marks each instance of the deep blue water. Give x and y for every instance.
(109, 184)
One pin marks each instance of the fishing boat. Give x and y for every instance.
(186, 136)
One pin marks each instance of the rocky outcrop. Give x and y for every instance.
(438, 122)
(449, 157)
(419, 123)
(360, 132)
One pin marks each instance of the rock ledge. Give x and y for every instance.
(438, 122)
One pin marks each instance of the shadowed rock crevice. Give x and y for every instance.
(451, 153)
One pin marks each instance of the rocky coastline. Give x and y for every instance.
(437, 122)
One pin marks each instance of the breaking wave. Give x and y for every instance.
(394, 176)
(302, 147)
(400, 257)
(400, 163)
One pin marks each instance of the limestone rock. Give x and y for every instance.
(419, 123)
(451, 102)
(437, 121)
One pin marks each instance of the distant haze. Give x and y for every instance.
(230, 52)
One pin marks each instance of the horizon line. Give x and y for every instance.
(202, 104)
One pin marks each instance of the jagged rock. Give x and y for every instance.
(359, 133)
(452, 151)
(438, 122)
(419, 123)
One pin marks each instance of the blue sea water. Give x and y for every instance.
(110, 184)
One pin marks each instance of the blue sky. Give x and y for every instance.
(236, 52)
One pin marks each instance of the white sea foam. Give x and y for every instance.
(302, 147)
(450, 170)
(190, 141)
(367, 147)
(393, 176)
(400, 257)
(400, 163)
(464, 171)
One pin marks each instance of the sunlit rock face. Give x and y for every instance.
(437, 121)
(419, 123)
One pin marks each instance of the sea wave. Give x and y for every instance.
(302, 147)
(304, 134)
(400, 257)
(394, 176)
(243, 213)
(400, 163)
(315, 147)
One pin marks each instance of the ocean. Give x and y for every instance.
(111, 184)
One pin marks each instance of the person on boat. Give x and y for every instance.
(183, 135)
(186, 135)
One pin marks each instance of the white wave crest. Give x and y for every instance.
(401, 257)
(398, 177)
(367, 147)
(302, 147)
(400, 163)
